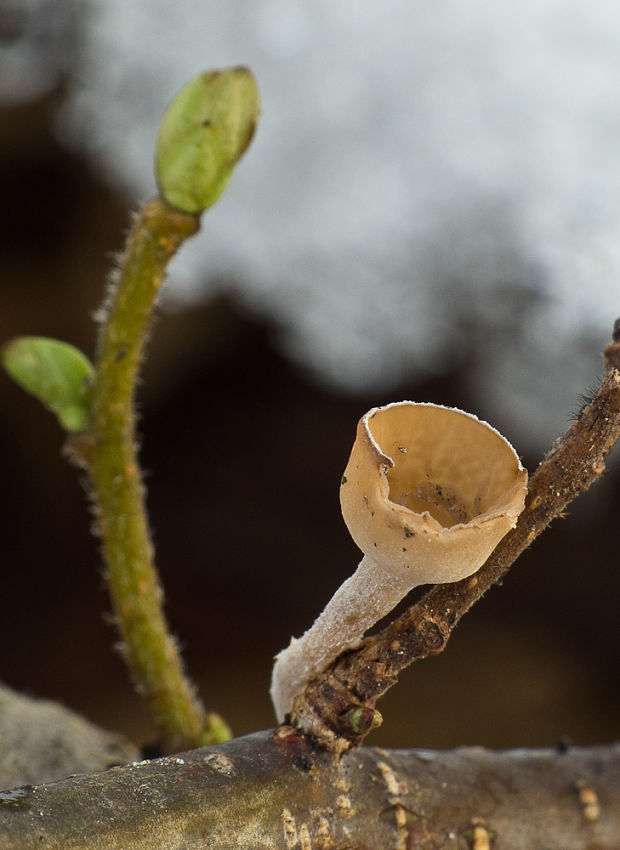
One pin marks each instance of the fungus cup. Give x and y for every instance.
(428, 493)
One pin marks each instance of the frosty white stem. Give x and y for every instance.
(364, 598)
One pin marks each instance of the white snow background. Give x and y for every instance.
(428, 179)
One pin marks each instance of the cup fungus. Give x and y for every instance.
(428, 493)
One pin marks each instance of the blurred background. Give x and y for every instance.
(430, 210)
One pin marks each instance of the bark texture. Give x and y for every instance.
(276, 789)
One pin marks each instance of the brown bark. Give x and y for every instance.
(275, 789)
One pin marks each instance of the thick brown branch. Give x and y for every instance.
(276, 790)
(338, 707)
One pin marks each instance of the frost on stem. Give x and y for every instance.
(428, 493)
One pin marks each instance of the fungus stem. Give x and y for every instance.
(360, 602)
(108, 450)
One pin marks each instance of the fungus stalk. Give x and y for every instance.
(428, 493)
(341, 626)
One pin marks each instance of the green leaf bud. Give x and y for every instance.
(202, 136)
(57, 373)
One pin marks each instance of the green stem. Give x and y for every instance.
(111, 457)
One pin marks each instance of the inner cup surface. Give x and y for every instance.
(446, 462)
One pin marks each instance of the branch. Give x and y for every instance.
(277, 790)
(338, 707)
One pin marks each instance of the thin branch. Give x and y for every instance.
(338, 707)
(277, 790)
(108, 451)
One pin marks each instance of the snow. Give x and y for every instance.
(427, 178)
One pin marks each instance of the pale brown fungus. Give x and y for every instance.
(428, 493)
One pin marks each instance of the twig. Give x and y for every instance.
(278, 791)
(338, 707)
(108, 451)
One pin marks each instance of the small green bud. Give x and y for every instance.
(203, 135)
(57, 373)
(217, 731)
(361, 720)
